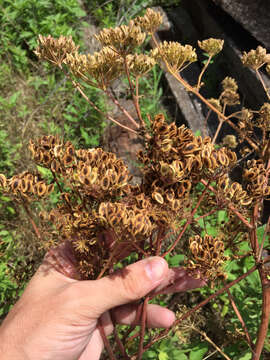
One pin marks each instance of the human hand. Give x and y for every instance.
(56, 318)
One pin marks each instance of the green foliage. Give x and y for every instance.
(171, 349)
(23, 20)
(114, 12)
(8, 288)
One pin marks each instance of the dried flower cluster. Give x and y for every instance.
(207, 257)
(256, 58)
(55, 50)
(174, 54)
(25, 186)
(211, 46)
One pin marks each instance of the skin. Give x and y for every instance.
(56, 318)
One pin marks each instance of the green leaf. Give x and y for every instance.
(198, 351)
(163, 356)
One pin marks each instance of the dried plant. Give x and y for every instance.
(105, 218)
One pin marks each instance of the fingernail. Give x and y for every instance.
(155, 268)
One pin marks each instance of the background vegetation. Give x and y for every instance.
(36, 99)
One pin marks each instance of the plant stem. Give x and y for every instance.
(76, 85)
(202, 72)
(34, 226)
(124, 111)
(189, 221)
(106, 341)
(205, 101)
(203, 303)
(221, 122)
(211, 342)
(142, 330)
(237, 312)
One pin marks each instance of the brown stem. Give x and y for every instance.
(263, 329)
(106, 341)
(136, 102)
(142, 330)
(203, 334)
(133, 243)
(118, 340)
(206, 214)
(203, 303)
(34, 226)
(221, 122)
(237, 312)
(189, 221)
(135, 97)
(205, 101)
(202, 72)
(124, 111)
(77, 86)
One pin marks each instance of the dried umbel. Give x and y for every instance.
(233, 192)
(55, 50)
(211, 46)
(229, 84)
(150, 22)
(99, 69)
(256, 58)
(216, 103)
(174, 54)
(263, 121)
(25, 186)
(256, 179)
(207, 257)
(140, 64)
(123, 38)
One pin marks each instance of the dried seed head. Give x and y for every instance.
(229, 97)
(174, 54)
(103, 66)
(215, 103)
(123, 38)
(263, 120)
(140, 64)
(55, 50)
(256, 58)
(150, 22)
(229, 84)
(207, 256)
(211, 46)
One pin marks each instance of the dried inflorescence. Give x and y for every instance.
(256, 179)
(233, 192)
(207, 257)
(25, 186)
(263, 120)
(256, 58)
(229, 95)
(55, 50)
(211, 46)
(123, 38)
(174, 54)
(99, 69)
(140, 64)
(150, 22)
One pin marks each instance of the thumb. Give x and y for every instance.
(122, 287)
